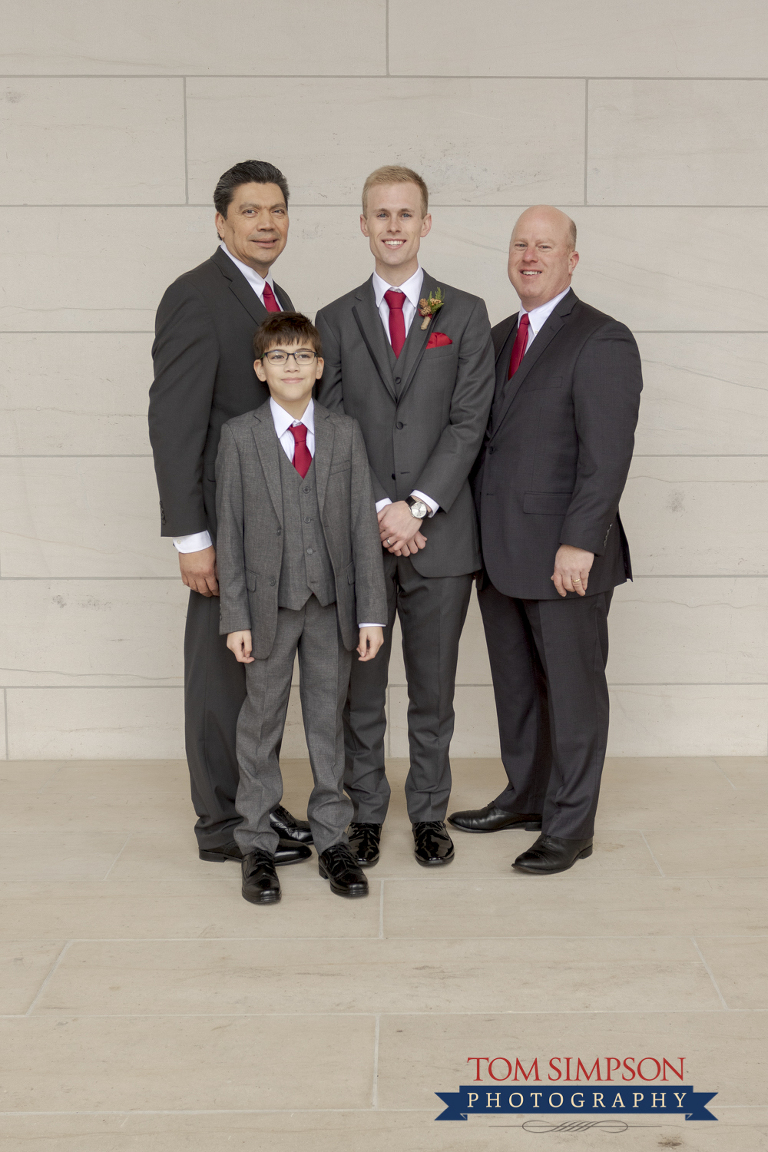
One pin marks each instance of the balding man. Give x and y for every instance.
(547, 488)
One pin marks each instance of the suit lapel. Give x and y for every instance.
(268, 446)
(532, 356)
(324, 435)
(240, 287)
(417, 337)
(367, 318)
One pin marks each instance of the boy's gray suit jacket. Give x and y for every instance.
(423, 415)
(250, 524)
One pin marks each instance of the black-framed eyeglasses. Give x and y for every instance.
(303, 356)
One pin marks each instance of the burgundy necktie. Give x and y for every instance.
(270, 301)
(395, 300)
(301, 456)
(519, 346)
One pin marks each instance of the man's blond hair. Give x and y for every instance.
(395, 174)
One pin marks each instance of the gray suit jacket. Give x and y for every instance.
(203, 355)
(250, 510)
(558, 448)
(423, 416)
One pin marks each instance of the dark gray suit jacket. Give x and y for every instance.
(250, 511)
(557, 451)
(423, 416)
(204, 375)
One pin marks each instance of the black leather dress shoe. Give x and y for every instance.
(287, 852)
(551, 854)
(432, 844)
(338, 865)
(364, 841)
(260, 882)
(288, 827)
(494, 819)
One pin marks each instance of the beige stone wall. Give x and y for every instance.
(647, 121)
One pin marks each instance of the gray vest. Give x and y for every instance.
(306, 567)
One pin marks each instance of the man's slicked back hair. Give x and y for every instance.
(286, 328)
(396, 174)
(247, 172)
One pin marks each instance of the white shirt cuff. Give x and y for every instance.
(195, 542)
(371, 625)
(382, 504)
(429, 503)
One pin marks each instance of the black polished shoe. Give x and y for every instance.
(550, 854)
(288, 827)
(494, 819)
(338, 865)
(432, 844)
(287, 853)
(364, 841)
(260, 882)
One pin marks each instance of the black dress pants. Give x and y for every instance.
(548, 665)
(214, 691)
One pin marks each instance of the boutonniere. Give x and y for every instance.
(429, 306)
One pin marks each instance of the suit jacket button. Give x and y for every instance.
(397, 379)
(310, 551)
(271, 581)
(393, 475)
(399, 425)
(279, 531)
(491, 451)
(307, 489)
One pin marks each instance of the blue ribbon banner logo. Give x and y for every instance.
(480, 1100)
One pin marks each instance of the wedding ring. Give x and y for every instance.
(576, 580)
(389, 540)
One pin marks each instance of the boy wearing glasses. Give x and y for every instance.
(300, 570)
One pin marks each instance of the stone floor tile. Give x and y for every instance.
(185, 909)
(717, 852)
(724, 1051)
(123, 777)
(740, 967)
(566, 905)
(60, 856)
(26, 777)
(312, 976)
(24, 966)
(94, 811)
(194, 1062)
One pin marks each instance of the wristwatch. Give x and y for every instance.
(418, 508)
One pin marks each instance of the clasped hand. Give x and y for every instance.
(572, 568)
(399, 530)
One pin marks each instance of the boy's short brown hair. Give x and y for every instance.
(286, 328)
(396, 174)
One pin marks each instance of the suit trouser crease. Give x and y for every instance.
(432, 612)
(214, 690)
(548, 664)
(324, 674)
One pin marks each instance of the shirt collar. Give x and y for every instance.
(411, 288)
(538, 316)
(283, 420)
(256, 282)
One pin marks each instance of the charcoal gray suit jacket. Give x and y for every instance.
(249, 548)
(423, 415)
(204, 376)
(557, 451)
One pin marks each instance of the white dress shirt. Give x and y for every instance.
(196, 541)
(537, 317)
(283, 422)
(412, 292)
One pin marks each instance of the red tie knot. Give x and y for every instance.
(394, 299)
(299, 433)
(270, 300)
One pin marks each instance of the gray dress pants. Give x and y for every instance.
(324, 666)
(432, 612)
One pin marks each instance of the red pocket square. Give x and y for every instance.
(438, 340)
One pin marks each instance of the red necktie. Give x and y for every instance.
(519, 346)
(395, 300)
(270, 301)
(301, 456)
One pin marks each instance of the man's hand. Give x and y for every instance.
(198, 571)
(572, 568)
(241, 644)
(399, 530)
(371, 639)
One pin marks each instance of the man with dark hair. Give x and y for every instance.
(411, 359)
(204, 376)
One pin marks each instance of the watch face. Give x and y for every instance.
(419, 509)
